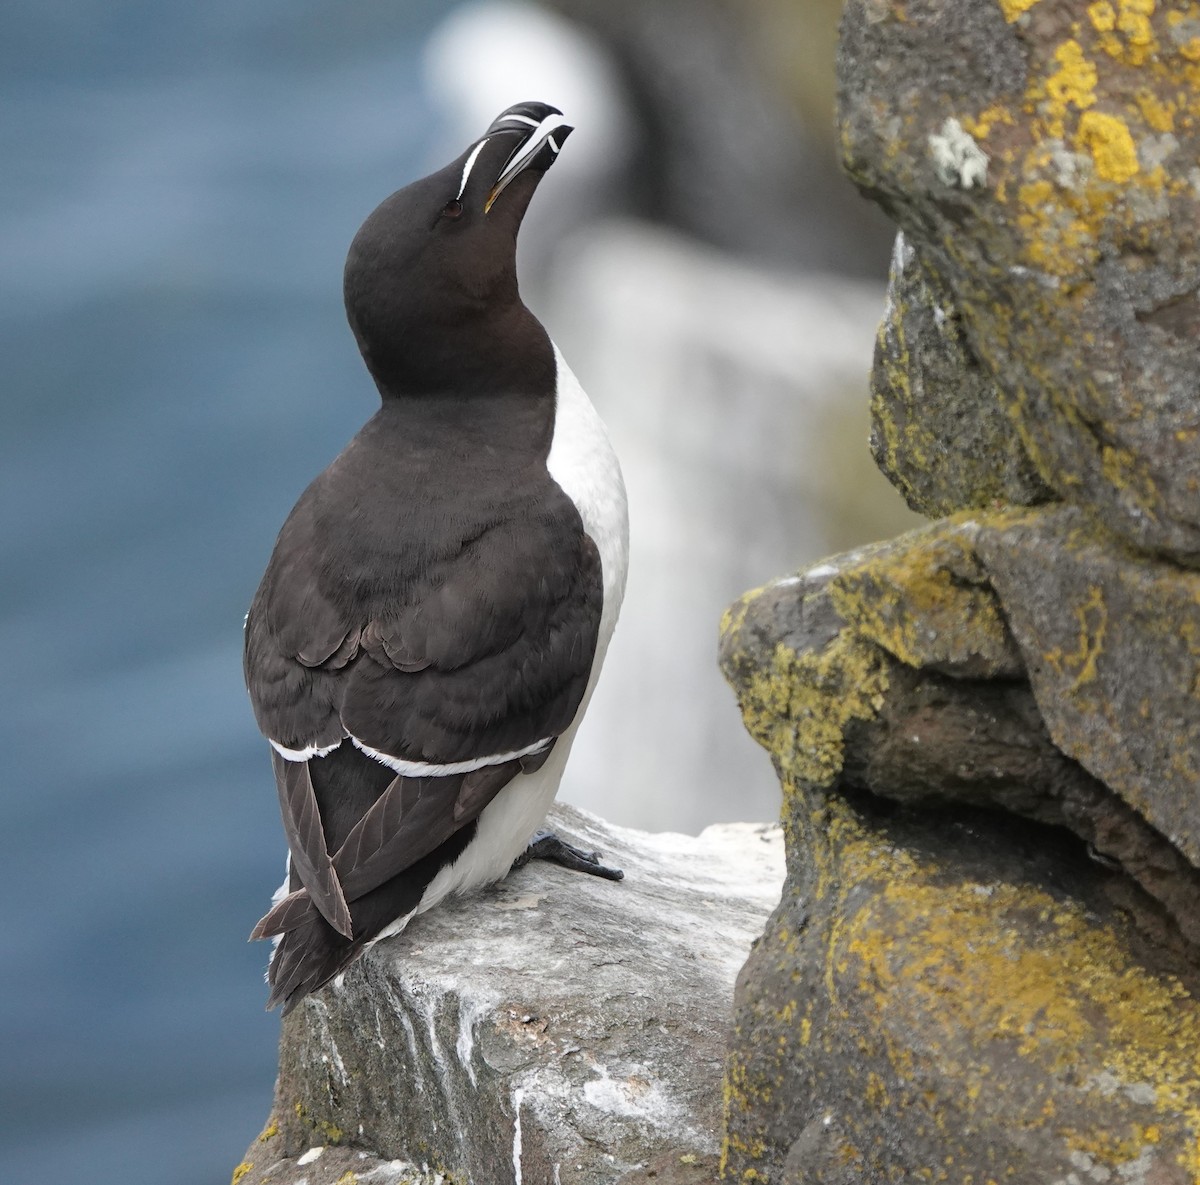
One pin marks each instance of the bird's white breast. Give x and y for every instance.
(584, 464)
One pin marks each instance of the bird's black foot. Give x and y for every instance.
(545, 845)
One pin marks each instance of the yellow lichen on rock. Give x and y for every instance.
(1080, 107)
(799, 705)
(1158, 112)
(980, 126)
(1089, 216)
(1108, 139)
(1106, 633)
(924, 599)
(1080, 664)
(1103, 16)
(1009, 1022)
(1013, 972)
(1073, 84)
(1060, 224)
(1134, 21)
(1013, 9)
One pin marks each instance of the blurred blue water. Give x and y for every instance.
(177, 190)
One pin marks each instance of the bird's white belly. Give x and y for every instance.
(504, 828)
(583, 463)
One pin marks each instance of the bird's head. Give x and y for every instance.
(431, 276)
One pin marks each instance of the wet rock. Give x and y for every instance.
(951, 978)
(1040, 155)
(557, 1028)
(938, 429)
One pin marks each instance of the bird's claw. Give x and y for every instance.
(545, 845)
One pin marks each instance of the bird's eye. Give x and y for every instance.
(452, 209)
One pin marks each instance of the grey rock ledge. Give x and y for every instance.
(554, 1030)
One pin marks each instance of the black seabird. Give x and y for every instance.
(433, 618)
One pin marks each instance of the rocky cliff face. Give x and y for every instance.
(556, 1030)
(986, 962)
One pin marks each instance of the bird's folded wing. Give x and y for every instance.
(307, 844)
(487, 663)
(472, 674)
(411, 818)
(406, 822)
(483, 658)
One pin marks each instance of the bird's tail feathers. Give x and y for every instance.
(294, 910)
(308, 956)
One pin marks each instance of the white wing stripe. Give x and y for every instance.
(421, 769)
(302, 754)
(413, 769)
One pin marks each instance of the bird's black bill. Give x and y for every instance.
(542, 131)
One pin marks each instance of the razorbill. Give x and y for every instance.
(433, 618)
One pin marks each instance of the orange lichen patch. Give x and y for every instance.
(1110, 143)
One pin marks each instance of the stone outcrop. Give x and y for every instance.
(986, 962)
(952, 978)
(1041, 156)
(555, 1029)
(938, 429)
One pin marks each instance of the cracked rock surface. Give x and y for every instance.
(554, 1029)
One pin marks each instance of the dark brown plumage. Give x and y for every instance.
(427, 623)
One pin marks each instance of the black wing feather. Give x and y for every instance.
(306, 842)
(407, 822)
